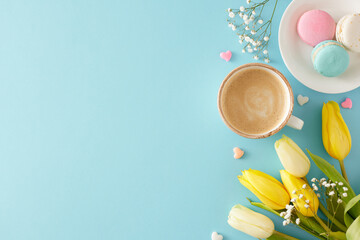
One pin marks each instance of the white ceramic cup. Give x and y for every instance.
(288, 118)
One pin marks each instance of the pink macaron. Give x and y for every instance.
(316, 26)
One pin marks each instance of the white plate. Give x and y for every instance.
(297, 54)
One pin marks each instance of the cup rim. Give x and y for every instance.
(267, 134)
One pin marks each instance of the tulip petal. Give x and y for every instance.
(269, 187)
(292, 157)
(261, 197)
(335, 133)
(250, 222)
(293, 183)
(269, 190)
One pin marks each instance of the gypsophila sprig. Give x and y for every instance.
(253, 31)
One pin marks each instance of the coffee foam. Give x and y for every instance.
(255, 101)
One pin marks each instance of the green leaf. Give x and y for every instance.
(349, 206)
(331, 172)
(335, 209)
(311, 225)
(337, 235)
(353, 232)
(276, 237)
(263, 206)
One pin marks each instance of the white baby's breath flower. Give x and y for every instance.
(318, 195)
(242, 8)
(322, 180)
(297, 221)
(265, 51)
(285, 223)
(260, 21)
(304, 186)
(248, 1)
(327, 185)
(331, 193)
(255, 48)
(241, 14)
(315, 188)
(333, 184)
(287, 216)
(247, 39)
(245, 17)
(306, 206)
(247, 22)
(250, 50)
(339, 201)
(294, 192)
(240, 41)
(243, 51)
(313, 180)
(251, 18)
(282, 214)
(289, 207)
(301, 196)
(231, 14)
(256, 57)
(229, 10)
(293, 200)
(345, 189)
(307, 201)
(230, 25)
(324, 183)
(344, 194)
(266, 38)
(253, 13)
(233, 27)
(340, 183)
(267, 60)
(247, 28)
(253, 32)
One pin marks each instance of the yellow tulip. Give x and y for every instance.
(250, 222)
(292, 157)
(335, 134)
(303, 197)
(269, 190)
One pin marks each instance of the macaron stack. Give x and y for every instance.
(318, 29)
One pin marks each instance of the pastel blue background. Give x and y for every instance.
(109, 127)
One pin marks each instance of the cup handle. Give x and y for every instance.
(295, 122)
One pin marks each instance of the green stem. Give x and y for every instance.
(322, 223)
(343, 171)
(332, 218)
(283, 235)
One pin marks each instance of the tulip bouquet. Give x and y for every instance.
(299, 201)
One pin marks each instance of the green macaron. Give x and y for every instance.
(330, 58)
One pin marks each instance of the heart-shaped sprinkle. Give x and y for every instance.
(347, 103)
(302, 100)
(216, 236)
(226, 55)
(238, 153)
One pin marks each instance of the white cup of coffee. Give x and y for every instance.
(256, 101)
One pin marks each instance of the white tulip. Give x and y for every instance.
(292, 157)
(250, 222)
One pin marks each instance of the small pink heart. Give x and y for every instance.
(347, 103)
(226, 55)
(238, 153)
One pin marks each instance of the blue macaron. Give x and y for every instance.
(330, 58)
